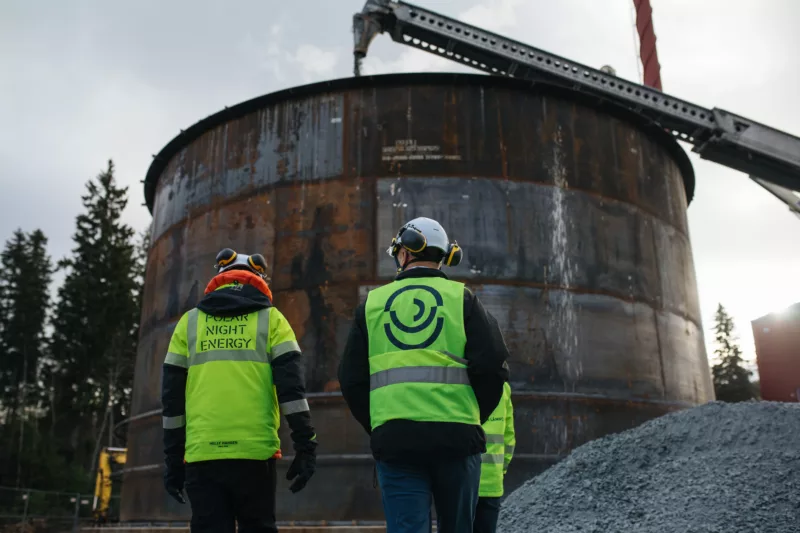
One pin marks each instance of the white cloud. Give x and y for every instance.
(410, 60)
(266, 53)
(307, 61)
(493, 16)
(314, 61)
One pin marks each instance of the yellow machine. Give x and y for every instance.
(102, 487)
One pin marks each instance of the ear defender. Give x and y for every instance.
(454, 255)
(258, 263)
(413, 241)
(224, 258)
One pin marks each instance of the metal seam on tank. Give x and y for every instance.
(346, 112)
(579, 289)
(655, 320)
(256, 191)
(322, 398)
(325, 179)
(349, 458)
(478, 283)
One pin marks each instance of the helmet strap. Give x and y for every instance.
(413, 259)
(402, 267)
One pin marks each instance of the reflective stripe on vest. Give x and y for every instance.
(176, 360)
(231, 404)
(416, 345)
(173, 422)
(419, 374)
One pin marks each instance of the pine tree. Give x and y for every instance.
(11, 262)
(127, 371)
(731, 379)
(95, 323)
(25, 275)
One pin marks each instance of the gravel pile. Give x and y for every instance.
(713, 468)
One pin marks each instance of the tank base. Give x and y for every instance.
(282, 527)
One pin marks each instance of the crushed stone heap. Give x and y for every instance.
(714, 468)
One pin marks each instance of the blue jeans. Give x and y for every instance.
(407, 491)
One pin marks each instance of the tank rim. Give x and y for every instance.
(185, 137)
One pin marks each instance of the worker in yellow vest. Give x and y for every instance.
(233, 366)
(500, 442)
(421, 371)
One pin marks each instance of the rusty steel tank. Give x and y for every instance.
(572, 217)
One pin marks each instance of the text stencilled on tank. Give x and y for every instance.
(410, 150)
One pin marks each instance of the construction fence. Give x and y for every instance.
(26, 510)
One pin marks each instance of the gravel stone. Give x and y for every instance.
(714, 468)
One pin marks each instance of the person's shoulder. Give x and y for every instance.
(276, 316)
(360, 311)
(469, 296)
(184, 319)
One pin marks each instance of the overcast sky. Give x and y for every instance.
(84, 81)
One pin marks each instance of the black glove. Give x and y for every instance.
(303, 467)
(174, 478)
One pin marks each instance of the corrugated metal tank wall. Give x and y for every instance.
(573, 222)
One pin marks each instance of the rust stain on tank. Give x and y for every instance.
(450, 127)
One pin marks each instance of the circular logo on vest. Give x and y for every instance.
(418, 311)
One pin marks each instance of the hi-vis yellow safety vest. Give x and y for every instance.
(415, 329)
(500, 442)
(232, 407)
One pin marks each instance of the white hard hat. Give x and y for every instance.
(228, 259)
(423, 233)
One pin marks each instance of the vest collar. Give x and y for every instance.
(421, 272)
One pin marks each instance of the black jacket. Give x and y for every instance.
(406, 440)
(287, 375)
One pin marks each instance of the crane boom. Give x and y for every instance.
(781, 193)
(771, 155)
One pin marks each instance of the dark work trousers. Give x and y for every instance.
(227, 491)
(486, 515)
(407, 491)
